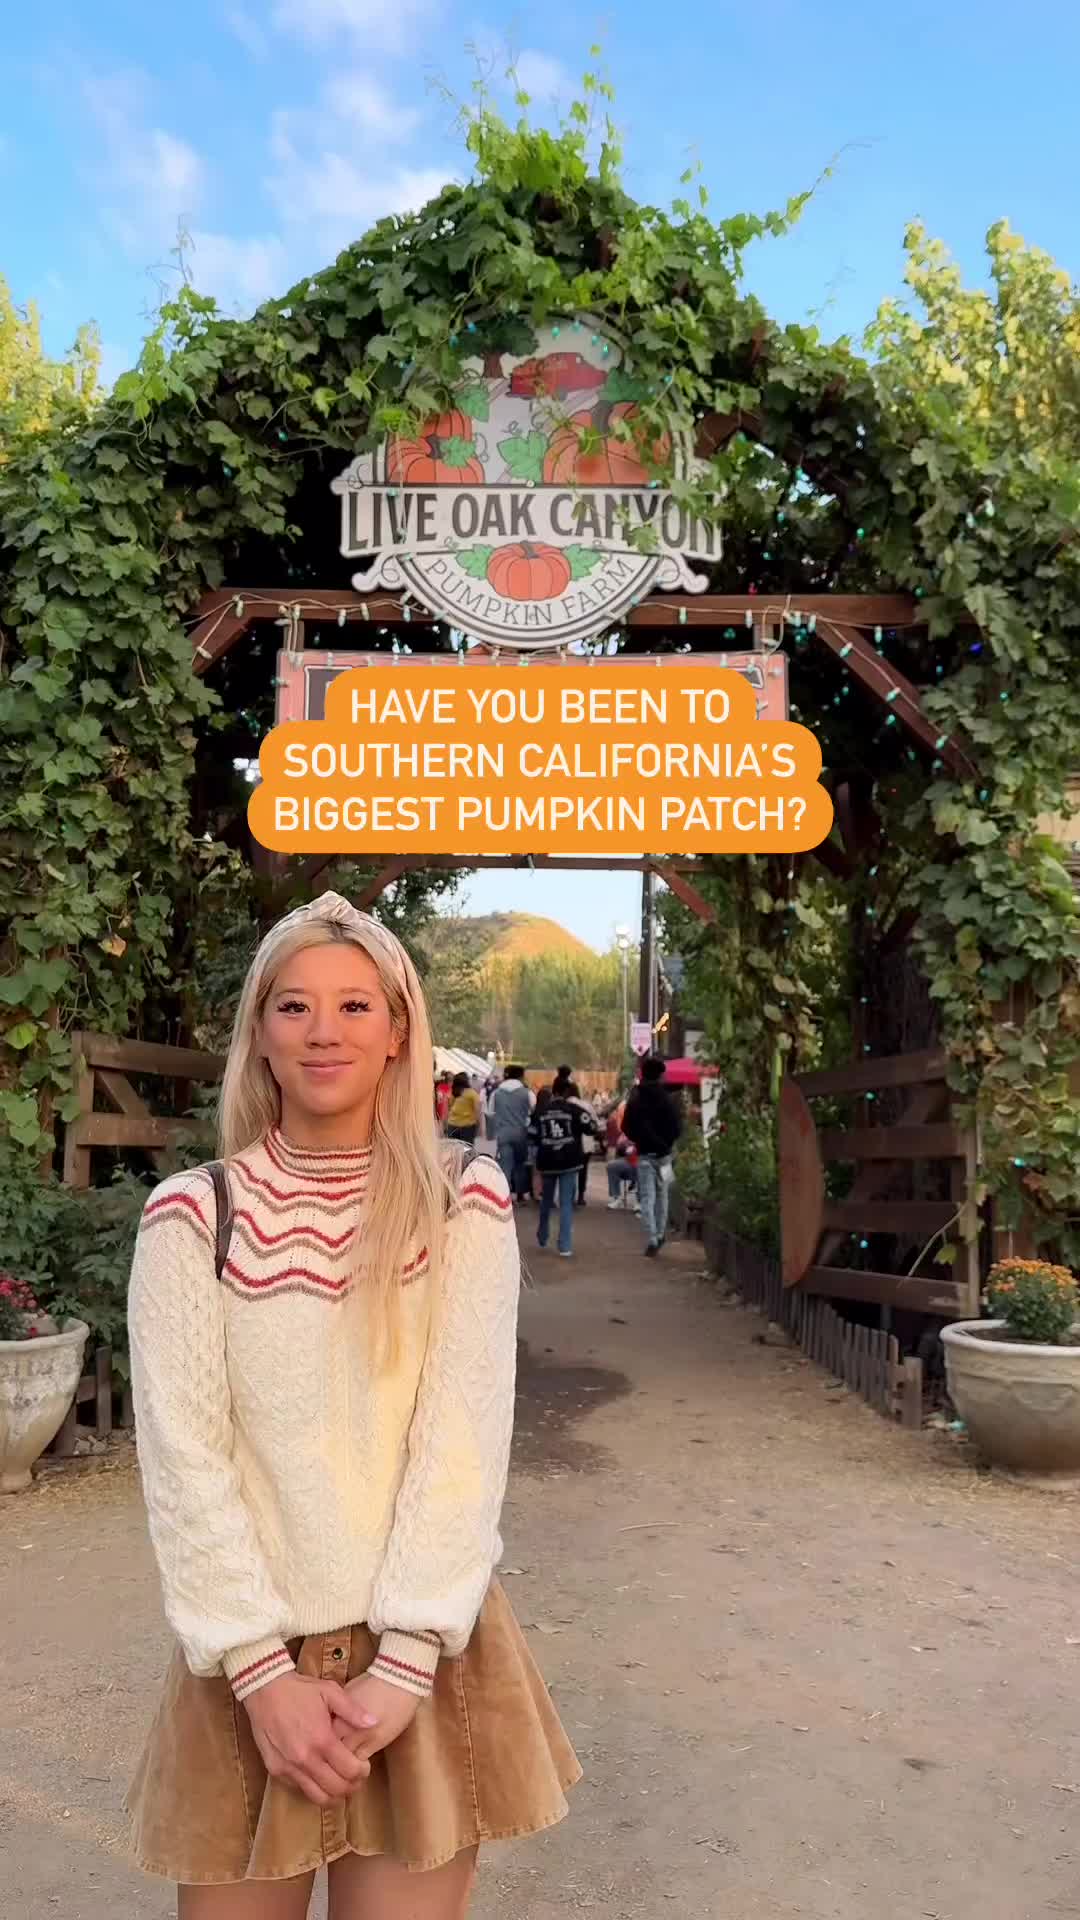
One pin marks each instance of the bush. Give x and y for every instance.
(1038, 1302)
(691, 1166)
(73, 1249)
(743, 1176)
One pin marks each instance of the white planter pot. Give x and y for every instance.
(38, 1379)
(1020, 1402)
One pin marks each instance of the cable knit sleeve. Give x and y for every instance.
(219, 1597)
(445, 1544)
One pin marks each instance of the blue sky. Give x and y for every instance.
(273, 131)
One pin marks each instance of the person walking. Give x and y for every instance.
(323, 1340)
(511, 1110)
(590, 1137)
(557, 1132)
(543, 1098)
(651, 1120)
(463, 1115)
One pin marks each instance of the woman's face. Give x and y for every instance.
(327, 1036)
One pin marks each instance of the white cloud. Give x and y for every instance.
(540, 75)
(247, 31)
(240, 273)
(336, 197)
(363, 104)
(155, 179)
(387, 24)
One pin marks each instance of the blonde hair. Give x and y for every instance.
(411, 1183)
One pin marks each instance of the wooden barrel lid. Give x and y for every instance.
(802, 1184)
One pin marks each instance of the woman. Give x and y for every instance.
(463, 1117)
(324, 1435)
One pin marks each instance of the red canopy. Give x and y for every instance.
(687, 1073)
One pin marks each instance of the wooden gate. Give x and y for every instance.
(913, 1191)
(104, 1065)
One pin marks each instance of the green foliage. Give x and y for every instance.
(692, 1167)
(944, 463)
(36, 392)
(1037, 1301)
(769, 979)
(743, 1175)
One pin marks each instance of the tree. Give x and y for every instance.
(36, 392)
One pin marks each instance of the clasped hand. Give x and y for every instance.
(320, 1736)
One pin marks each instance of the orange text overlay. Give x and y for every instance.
(577, 760)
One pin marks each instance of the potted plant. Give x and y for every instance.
(40, 1368)
(1015, 1378)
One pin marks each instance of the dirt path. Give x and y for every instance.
(813, 1667)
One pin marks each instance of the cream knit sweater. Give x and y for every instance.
(291, 1488)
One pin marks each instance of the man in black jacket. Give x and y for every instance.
(557, 1131)
(652, 1122)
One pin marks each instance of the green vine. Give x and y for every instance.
(944, 462)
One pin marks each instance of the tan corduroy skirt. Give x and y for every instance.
(484, 1759)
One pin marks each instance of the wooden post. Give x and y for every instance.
(912, 1399)
(103, 1393)
(77, 1157)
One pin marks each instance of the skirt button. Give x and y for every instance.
(338, 1653)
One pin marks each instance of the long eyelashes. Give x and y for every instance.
(301, 1006)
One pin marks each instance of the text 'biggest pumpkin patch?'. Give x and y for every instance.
(613, 757)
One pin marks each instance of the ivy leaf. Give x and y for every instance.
(475, 400)
(457, 452)
(21, 1036)
(583, 561)
(474, 561)
(621, 385)
(113, 945)
(524, 455)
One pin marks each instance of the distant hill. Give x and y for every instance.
(512, 936)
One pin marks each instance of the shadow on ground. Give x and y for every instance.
(552, 1396)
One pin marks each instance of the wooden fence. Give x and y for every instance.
(868, 1361)
(97, 1386)
(883, 1215)
(103, 1067)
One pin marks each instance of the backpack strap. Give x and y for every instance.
(224, 1204)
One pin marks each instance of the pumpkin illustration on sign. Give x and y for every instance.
(442, 454)
(529, 569)
(584, 451)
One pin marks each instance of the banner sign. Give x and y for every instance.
(530, 514)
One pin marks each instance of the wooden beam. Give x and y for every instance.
(868, 1076)
(894, 1143)
(731, 609)
(916, 1294)
(147, 1056)
(882, 679)
(124, 1130)
(683, 891)
(220, 626)
(890, 1216)
(924, 1103)
(391, 872)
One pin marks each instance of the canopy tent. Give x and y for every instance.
(687, 1073)
(453, 1060)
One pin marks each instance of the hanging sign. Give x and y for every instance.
(529, 514)
(640, 1037)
